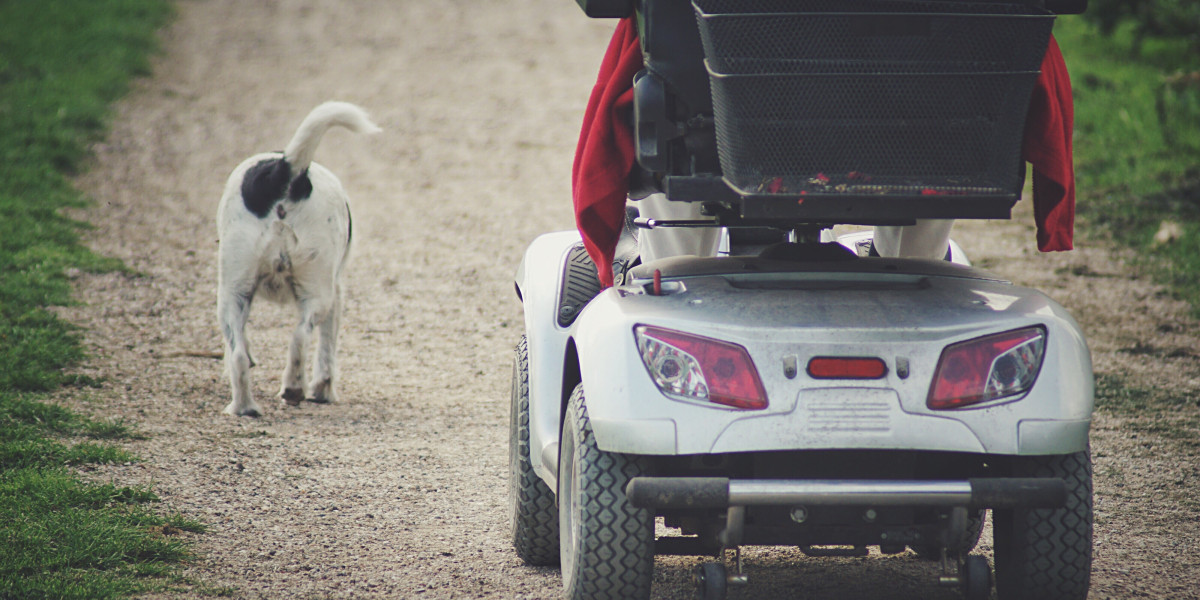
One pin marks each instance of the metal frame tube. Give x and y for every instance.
(718, 492)
(849, 492)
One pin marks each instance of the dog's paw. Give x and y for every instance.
(322, 392)
(291, 396)
(250, 410)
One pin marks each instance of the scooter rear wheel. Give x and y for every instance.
(533, 512)
(1047, 553)
(607, 546)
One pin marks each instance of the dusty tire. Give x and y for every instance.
(1047, 553)
(965, 544)
(606, 545)
(532, 510)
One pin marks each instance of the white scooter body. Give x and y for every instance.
(904, 311)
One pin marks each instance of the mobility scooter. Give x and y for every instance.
(796, 389)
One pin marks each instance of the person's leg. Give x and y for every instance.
(664, 242)
(929, 238)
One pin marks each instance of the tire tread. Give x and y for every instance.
(534, 510)
(616, 557)
(1047, 553)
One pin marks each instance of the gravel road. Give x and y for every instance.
(399, 491)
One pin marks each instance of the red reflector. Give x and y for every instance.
(997, 366)
(728, 374)
(838, 367)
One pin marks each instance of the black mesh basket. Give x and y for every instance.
(872, 98)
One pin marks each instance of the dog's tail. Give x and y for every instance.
(299, 151)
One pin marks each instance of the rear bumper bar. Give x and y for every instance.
(719, 492)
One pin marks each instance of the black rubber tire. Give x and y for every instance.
(711, 581)
(607, 546)
(964, 546)
(533, 511)
(977, 578)
(1047, 553)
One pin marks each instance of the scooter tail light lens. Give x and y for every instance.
(838, 367)
(699, 368)
(989, 368)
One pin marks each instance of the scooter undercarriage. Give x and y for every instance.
(831, 517)
(971, 574)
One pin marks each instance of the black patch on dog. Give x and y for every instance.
(349, 227)
(301, 188)
(265, 184)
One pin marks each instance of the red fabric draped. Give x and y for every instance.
(1047, 147)
(605, 153)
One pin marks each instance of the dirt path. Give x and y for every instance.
(399, 491)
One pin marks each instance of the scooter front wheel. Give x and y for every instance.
(606, 545)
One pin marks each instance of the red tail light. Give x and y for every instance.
(989, 368)
(700, 368)
(840, 367)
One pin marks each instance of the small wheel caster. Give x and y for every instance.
(976, 578)
(711, 583)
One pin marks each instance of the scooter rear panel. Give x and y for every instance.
(904, 312)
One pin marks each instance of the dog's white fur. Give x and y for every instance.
(292, 254)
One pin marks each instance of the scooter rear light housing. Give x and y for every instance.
(997, 367)
(691, 367)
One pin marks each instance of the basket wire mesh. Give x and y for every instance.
(871, 97)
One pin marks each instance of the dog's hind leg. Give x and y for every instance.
(233, 309)
(325, 366)
(291, 392)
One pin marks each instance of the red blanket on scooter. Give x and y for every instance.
(604, 155)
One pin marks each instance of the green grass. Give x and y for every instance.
(1169, 416)
(1137, 145)
(63, 537)
(1116, 395)
(62, 64)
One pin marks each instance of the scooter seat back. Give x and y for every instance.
(814, 111)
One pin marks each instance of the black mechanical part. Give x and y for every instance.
(606, 9)
(975, 577)
(1067, 7)
(962, 544)
(711, 581)
(579, 285)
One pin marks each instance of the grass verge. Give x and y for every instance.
(62, 64)
(1137, 146)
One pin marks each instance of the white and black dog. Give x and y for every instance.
(284, 227)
